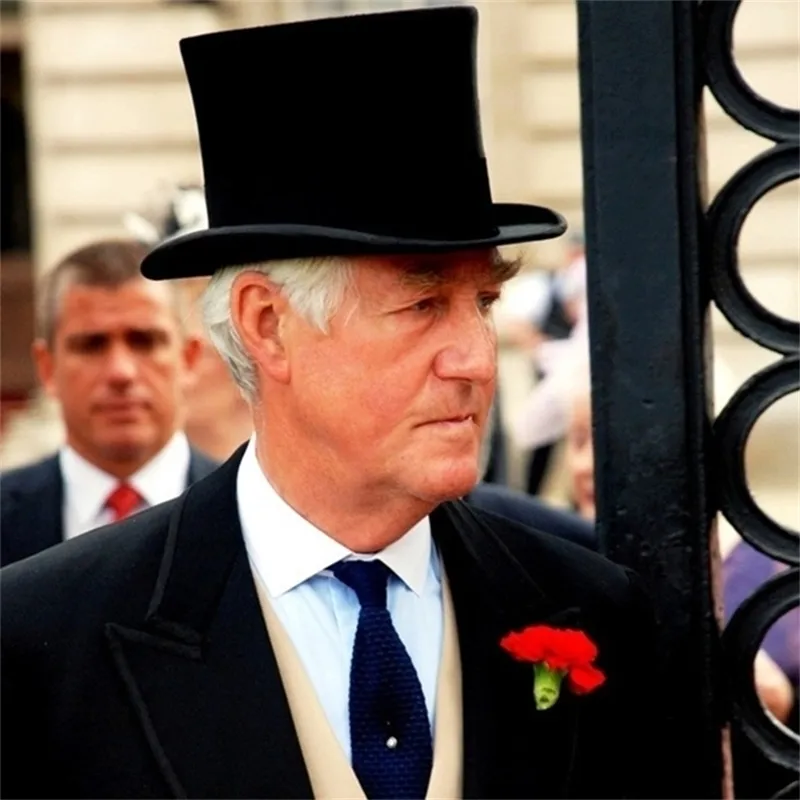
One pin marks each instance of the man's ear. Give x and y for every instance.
(257, 310)
(192, 350)
(45, 365)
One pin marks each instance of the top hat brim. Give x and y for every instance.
(203, 252)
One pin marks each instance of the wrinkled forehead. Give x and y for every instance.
(467, 266)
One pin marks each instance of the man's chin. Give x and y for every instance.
(125, 449)
(450, 484)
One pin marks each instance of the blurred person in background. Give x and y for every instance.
(546, 304)
(541, 423)
(525, 509)
(579, 447)
(218, 417)
(547, 308)
(113, 352)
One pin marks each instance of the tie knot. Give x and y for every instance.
(123, 500)
(368, 579)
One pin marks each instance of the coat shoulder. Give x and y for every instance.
(111, 570)
(563, 568)
(21, 479)
(533, 512)
(200, 465)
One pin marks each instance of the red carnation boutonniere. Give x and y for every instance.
(555, 653)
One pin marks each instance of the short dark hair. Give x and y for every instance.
(108, 263)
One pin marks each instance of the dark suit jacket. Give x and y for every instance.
(136, 663)
(31, 505)
(530, 511)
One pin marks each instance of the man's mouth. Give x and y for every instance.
(460, 419)
(120, 407)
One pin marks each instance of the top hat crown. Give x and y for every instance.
(342, 136)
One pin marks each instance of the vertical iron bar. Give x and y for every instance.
(641, 104)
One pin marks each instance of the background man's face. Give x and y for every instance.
(116, 364)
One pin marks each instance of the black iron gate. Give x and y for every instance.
(658, 255)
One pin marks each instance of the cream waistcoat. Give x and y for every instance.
(331, 776)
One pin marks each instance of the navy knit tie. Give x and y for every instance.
(390, 735)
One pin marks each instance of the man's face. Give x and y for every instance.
(397, 393)
(116, 365)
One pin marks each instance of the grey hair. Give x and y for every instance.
(314, 287)
(104, 263)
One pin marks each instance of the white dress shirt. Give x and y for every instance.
(320, 614)
(86, 488)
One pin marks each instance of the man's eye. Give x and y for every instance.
(422, 306)
(488, 300)
(146, 340)
(88, 344)
(141, 340)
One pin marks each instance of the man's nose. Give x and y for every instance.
(471, 351)
(121, 365)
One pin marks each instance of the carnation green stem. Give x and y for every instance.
(546, 686)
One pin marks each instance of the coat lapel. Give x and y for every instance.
(200, 671)
(510, 748)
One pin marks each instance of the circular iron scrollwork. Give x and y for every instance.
(741, 641)
(731, 430)
(732, 91)
(744, 634)
(726, 217)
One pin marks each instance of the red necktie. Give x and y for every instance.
(123, 500)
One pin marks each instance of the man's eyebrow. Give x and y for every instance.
(78, 336)
(504, 269)
(422, 277)
(149, 330)
(425, 273)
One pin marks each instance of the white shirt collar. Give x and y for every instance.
(286, 549)
(165, 475)
(87, 487)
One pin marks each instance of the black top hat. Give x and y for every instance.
(343, 136)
